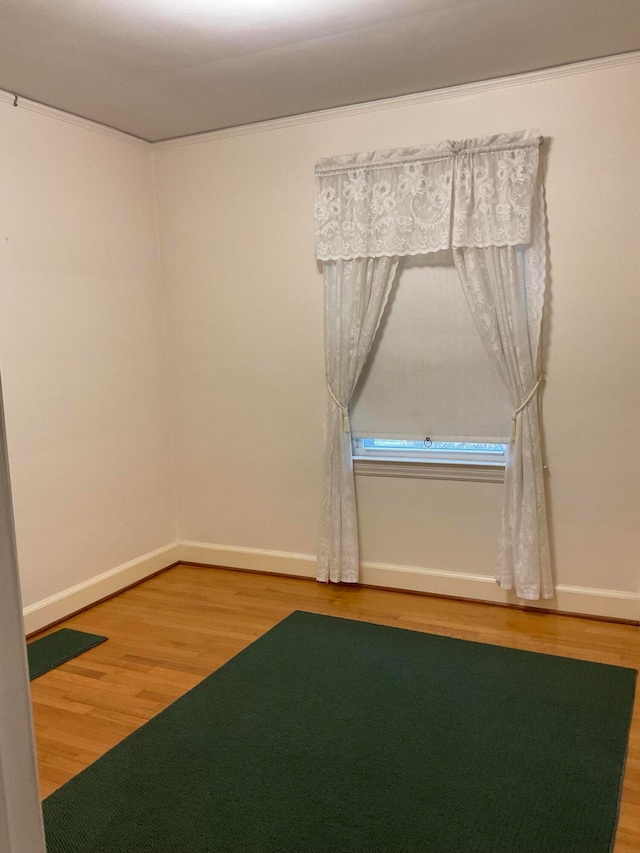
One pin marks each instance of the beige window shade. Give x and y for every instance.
(428, 373)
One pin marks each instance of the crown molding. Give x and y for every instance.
(8, 98)
(569, 70)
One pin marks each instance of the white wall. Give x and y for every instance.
(246, 331)
(82, 351)
(84, 363)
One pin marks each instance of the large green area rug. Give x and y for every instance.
(331, 735)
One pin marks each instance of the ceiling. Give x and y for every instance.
(159, 69)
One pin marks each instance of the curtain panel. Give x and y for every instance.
(483, 198)
(356, 293)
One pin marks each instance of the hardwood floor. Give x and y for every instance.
(173, 630)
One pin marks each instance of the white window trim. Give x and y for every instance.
(436, 465)
(428, 469)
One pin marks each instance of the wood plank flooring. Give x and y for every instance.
(173, 630)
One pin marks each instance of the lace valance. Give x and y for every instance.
(410, 201)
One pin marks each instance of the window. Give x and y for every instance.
(427, 450)
(429, 394)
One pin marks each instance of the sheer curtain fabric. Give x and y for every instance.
(493, 279)
(356, 292)
(483, 198)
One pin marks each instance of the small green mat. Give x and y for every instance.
(328, 735)
(57, 648)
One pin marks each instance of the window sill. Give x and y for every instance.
(479, 472)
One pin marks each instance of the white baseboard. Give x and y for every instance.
(252, 559)
(63, 604)
(569, 599)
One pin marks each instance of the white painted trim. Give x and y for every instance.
(69, 601)
(593, 602)
(463, 90)
(417, 470)
(253, 559)
(7, 98)
(21, 829)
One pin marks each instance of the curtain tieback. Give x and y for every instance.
(343, 409)
(527, 400)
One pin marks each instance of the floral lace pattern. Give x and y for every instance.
(496, 285)
(482, 197)
(493, 196)
(369, 213)
(356, 293)
(420, 200)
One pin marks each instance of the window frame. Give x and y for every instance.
(430, 465)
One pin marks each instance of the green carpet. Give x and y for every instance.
(330, 735)
(57, 648)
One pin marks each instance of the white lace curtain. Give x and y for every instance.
(356, 292)
(483, 198)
